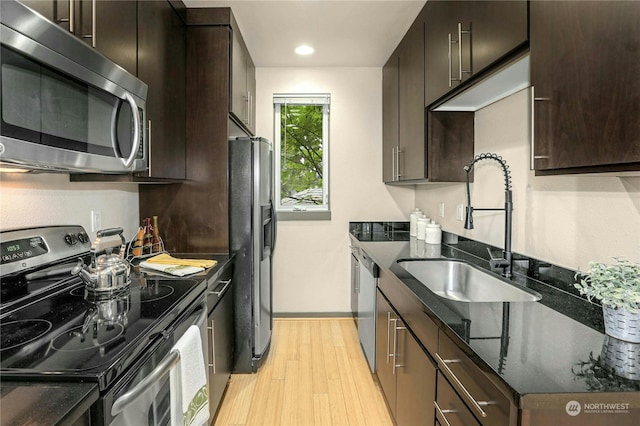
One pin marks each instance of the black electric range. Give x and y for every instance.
(52, 328)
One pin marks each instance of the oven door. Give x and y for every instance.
(143, 397)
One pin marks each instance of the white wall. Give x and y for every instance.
(50, 199)
(311, 261)
(567, 220)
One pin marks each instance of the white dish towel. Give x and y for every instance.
(188, 381)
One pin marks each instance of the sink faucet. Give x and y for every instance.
(506, 262)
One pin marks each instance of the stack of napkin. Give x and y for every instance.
(180, 267)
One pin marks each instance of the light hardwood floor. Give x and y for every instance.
(315, 374)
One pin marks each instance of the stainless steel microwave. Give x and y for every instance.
(64, 106)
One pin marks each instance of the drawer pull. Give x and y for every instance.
(440, 414)
(476, 405)
(219, 293)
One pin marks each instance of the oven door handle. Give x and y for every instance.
(165, 366)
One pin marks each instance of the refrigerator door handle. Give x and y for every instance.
(274, 228)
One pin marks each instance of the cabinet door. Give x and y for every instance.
(390, 118)
(416, 381)
(584, 69)
(385, 323)
(162, 62)
(239, 95)
(115, 31)
(411, 103)
(441, 60)
(221, 343)
(497, 28)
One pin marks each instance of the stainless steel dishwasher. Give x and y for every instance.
(367, 307)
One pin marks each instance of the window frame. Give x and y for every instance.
(307, 212)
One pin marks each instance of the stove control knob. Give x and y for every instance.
(83, 238)
(70, 239)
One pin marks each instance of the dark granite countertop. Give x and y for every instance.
(45, 404)
(555, 345)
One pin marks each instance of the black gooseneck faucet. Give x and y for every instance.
(507, 260)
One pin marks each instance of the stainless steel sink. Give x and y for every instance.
(461, 281)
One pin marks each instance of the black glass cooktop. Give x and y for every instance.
(74, 334)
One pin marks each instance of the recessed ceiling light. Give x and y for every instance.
(304, 50)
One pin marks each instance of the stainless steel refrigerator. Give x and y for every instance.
(252, 233)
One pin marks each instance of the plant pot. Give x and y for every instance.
(622, 357)
(622, 324)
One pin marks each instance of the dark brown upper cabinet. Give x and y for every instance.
(162, 65)
(243, 82)
(390, 117)
(403, 109)
(108, 26)
(585, 70)
(418, 145)
(464, 38)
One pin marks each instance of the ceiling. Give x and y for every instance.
(351, 33)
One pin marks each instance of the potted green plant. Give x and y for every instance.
(617, 287)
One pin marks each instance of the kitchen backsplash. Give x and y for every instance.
(568, 220)
(28, 200)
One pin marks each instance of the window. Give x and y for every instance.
(302, 156)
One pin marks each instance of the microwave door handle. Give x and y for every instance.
(163, 368)
(136, 131)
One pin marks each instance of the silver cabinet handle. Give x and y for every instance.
(460, 32)
(450, 77)
(226, 284)
(398, 152)
(71, 19)
(92, 36)
(535, 157)
(459, 51)
(249, 115)
(393, 164)
(395, 346)
(440, 414)
(388, 335)
(149, 148)
(212, 336)
(475, 404)
(450, 55)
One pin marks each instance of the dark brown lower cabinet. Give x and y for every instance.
(405, 372)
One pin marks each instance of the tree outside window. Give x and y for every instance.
(302, 128)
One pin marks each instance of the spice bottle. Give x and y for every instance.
(148, 236)
(156, 244)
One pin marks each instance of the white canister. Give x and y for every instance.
(413, 222)
(422, 227)
(433, 233)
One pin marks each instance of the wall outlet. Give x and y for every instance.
(460, 212)
(96, 220)
(441, 209)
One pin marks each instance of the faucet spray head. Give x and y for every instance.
(468, 222)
